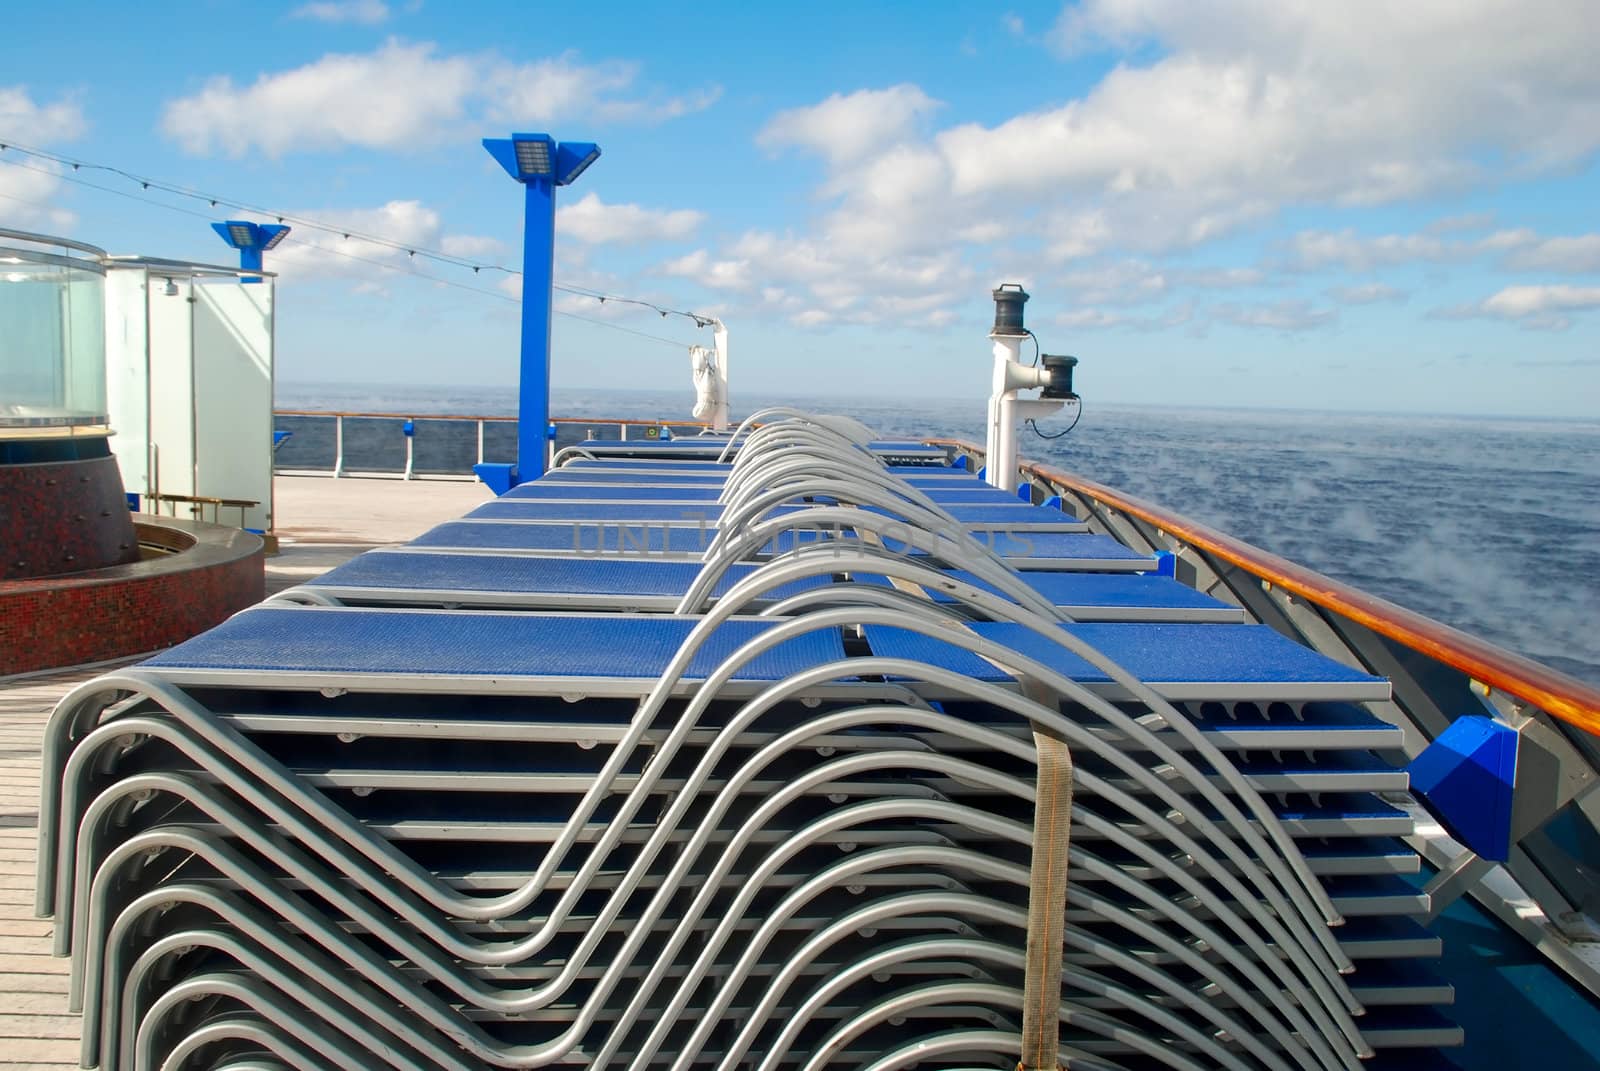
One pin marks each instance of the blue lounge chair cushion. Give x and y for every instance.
(1154, 652)
(479, 643)
(577, 576)
(1120, 590)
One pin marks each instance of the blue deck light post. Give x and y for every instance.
(251, 240)
(541, 164)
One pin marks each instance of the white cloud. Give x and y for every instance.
(30, 123)
(1139, 282)
(715, 274)
(1519, 249)
(560, 86)
(1072, 234)
(1213, 118)
(1250, 105)
(593, 221)
(30, 186)
(839, 283)
(1356, 252)
(1013, 23)
(1092, 319)
(1501, 241)
(1532, 300)
(365, 12)
(425, 96)
(848, 129)
(1130, 282)
(1577, 254)
(471, 246)
(1290, 314)
(1220, 278)
(1414, 87)
(1467, 221)
(1366, 294)
(1545, 307)
(27, 196)
(657, 109)
(309, 253)
(329, 104)
(814, 283)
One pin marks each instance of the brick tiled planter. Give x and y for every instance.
(131, 609)
(63, 517)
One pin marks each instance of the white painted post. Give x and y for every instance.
(338, 446)
(719, 418)
(1001, 453)
(1006, 409)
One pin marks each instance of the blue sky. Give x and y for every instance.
(1359, 205)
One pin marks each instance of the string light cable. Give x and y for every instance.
(412, 251)
(487, 293)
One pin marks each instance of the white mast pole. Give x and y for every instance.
(719, 417)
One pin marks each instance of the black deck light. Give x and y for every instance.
(1060, 371)
(1008, 301)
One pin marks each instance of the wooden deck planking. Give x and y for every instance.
(37, 1033)
(36, 1030)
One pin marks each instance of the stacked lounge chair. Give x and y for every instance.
(821, 770)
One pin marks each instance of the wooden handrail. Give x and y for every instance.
(1557, 694)
(470, 416)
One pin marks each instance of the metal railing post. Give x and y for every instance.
(338, 446)
(480, 440)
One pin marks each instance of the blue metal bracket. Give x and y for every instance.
(1466, 779)
(1166, 564)
(497, 476)
(1025, 492)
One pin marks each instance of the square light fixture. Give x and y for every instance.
(572, 157)
(533, 154)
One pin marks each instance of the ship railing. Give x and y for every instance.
(425, 446)
(1441, 676)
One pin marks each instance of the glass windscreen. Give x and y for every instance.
(52, 336)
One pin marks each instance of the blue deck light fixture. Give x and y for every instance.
(541, 164)
(251, 240)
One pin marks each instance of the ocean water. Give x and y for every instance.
(1490, 525)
